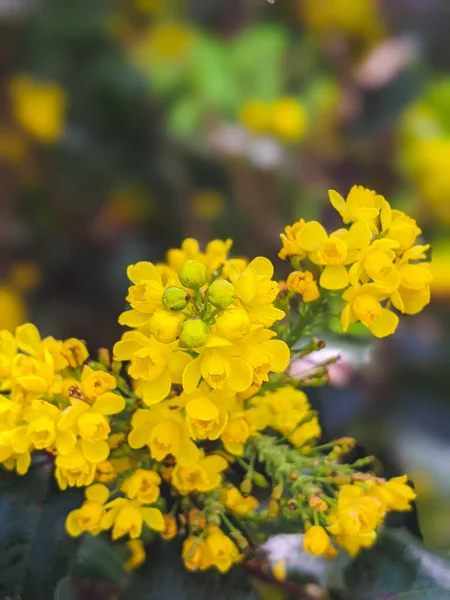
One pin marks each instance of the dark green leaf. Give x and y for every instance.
(398, 567)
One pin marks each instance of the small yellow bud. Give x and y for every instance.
(260, 480)
(192, 274)
(193, 333)
(165, 325)
(233, 324)
(221, 293)
(246, 487)
(174, 298)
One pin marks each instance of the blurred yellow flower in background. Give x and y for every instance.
(165, 42)
(360, 18)
(208, 205)
(25, 276)
(13, 310)
(150, 6)
(39, 107)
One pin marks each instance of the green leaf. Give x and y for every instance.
(185, 117)
(164, 577)
(398, 567)
(21, 507)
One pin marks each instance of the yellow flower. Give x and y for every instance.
(362, 204)
(203, 476)
(256, 116)
(89, 517)
(137, 555)
(355, 519)
(196, 554)
(165, 325)
(208, 205)
(238, 504)
(143, 485)
(13, 311)
(91, 424)
(333, 252)
(145, 296)
(318, 543)
(289, 238)
(170, 530)
(363, 304)
(256, 291)
(128, 517)
(220, 365)
(223, 551)
(288, 119)
(166, 42)
(8, 350)
(163, 430)
(236, 433)
(303, 283)
(154, 365)
(204, 419)
(96, 383)
(233, 323)
(74, 470)
(399, 227)
(39, 107)
(394, 494)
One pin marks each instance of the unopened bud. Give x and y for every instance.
(221, 293)
(197, 520)
(192, 274)
(104, 357)
(293, 476)
(165, 325)
(260, 480)
(193, 333)
(277, 492)
(174, 298)
(273, 509)
(246, 487)
(233, 324)
(239, 539)
(292, 504)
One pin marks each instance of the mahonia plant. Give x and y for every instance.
(196, 427)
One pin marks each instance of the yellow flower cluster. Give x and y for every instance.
(285, 119)
(375, 262)
(355, 517)
(203, 415)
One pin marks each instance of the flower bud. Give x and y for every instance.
(221, 293)
(194, 333)
(233, 324)
(192, 274)
(246, 487)
(174, 298)
(165, 325)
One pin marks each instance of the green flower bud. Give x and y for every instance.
(174, 298)
(221, 293)
(192, 274)
(193, 333)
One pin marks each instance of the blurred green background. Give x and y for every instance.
(128, 125)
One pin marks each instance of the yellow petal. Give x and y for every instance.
(188, 453)
(156, 390)
(338, 202)
(241, 374)
(334, 277)
(72, 525)
(359, 236)
(97, 493)
(385, 324)
(246, 284)
(138, 437)
(65, 441)
(19, 440)
(191, 376)
(95, 452)
(153, 518)
(311, 236)
(143, 271)
(263, 267)
(28, 338)
(23, 462)
(128, 345)
(177, 364)
(280, 355)
(133, 318)
(109, 404)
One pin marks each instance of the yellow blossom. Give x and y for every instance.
(318, 543)
(361, 204)
(238, 504)
(13, 311)
(394, 494)
(128, 517)
(256, 116)
(143, 485)
(303, 283)
(223, 551)
(203, 476)
(288, 119)
(137, 555)
(196, 555)
(89, 517)
(39, 107)
(170, 530)
(96, 383)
